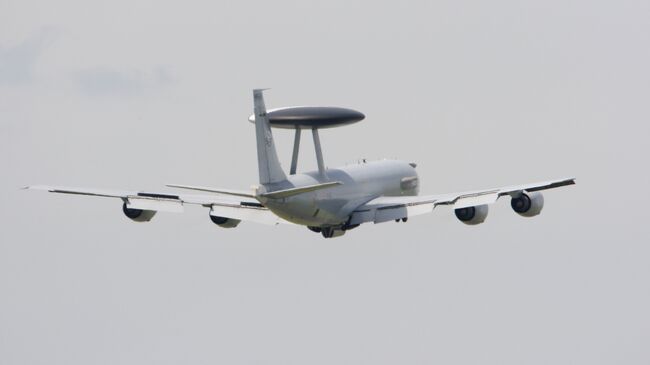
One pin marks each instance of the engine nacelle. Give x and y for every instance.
(138, 215)
(224, 222)
(472, 215)
(528, 204)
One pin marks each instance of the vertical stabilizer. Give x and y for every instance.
(267, 158)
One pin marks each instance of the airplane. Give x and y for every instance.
(329, 201)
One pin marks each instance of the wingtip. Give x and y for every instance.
(37, 187)
(260, 92)
(33, 187)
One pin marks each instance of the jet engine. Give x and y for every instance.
(472, 215)
(224, 222)
(528, 204)
(138, 215)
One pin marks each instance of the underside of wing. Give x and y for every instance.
(384, 209)
(141, 206)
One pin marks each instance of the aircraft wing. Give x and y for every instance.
(241, 208)
(384, 209)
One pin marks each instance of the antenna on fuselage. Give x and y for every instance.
(310, 117)
(317, 147)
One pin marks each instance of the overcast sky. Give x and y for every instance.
(136, 94)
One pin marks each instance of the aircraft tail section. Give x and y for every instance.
(267, 158)
(281, 194)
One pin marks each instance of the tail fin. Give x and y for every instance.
(267, 158)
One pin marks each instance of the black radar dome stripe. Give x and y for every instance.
(307, 117)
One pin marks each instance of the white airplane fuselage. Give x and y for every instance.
(332, 207)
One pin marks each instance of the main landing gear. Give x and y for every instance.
(331, 232)
(328, 232)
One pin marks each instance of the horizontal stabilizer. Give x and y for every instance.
(279, 194)
(214, 190)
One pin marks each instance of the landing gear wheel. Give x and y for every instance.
(331, 232)
(327, 232)
(314, 229)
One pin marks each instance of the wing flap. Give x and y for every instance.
(390, 213)
(380, 210)
(157, 204)
(240, 193)
(247, 213)
(474, 199)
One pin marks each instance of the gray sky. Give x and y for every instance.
(135, 94)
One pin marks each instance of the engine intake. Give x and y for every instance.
(472, 215)
(224, 222)
(138, 215)
(528, 204)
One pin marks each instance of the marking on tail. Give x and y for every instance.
(270, 170)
